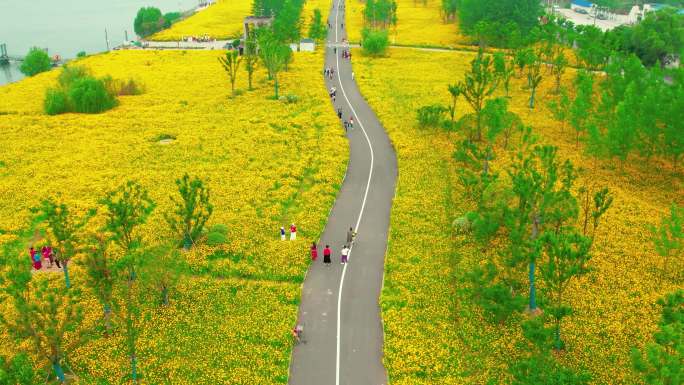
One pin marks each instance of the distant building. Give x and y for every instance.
(637, 14)
(582, 6)
(307, 45)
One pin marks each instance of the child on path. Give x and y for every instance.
(344, 255)
(314, 252)
(47, 254)
(351, 122)
(35, 258)
(326, 255)
(293, 232)
(282, 233)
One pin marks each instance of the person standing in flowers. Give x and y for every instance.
(35, 258)
(314, 252)
(326, 255)
(46, 252)
(293, 232)
(282, 233)
(344, 254)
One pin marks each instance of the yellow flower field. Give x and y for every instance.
(419, 23)
(223, 20)
(433, 334)
(267, 163)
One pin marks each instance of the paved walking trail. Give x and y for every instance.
(339, 309)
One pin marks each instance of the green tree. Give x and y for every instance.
(504, 69)
(591, 48)
(90, 95)
(231, 63)
(161, 270)
(455, 92)
(534, 78)
(658, 38)
(35, 62)
(317, 30)
(449, 8)
(479, 84)
(673, 124)
(541, 189)
(191, 212)
(560, 107)
(42, 315)
(668, 238)
(64, 230)
(251, 57)
(374, 42)
(661, 361)
(565, 257)
(582, 106)
(100, 276)
(126, 209)
(19, 371)
(287, 24)
(147, 21)
(539, 366)
(559, 64)
(274, 55)
(523, 14)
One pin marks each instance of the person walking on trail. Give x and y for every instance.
(351, 122)
(282, 233)
(352, 75)
(351, 234)
(314, 252)
(346, 126)
(344, 254)
(46, 253)
(339, 113)
(293, 232)
(326, 255)
(35, 258)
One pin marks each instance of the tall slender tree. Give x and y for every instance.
(231, 63)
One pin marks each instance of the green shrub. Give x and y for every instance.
(89, 95)
(148, 21)
(170, 18)
(130, 87)
(291, 98)
(219, 228)
(374, 41)
(56, 101)
(431, 116)
(70, 74)
(216, 239)
(35, 62)
(81, 54)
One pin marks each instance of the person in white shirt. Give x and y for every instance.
(344, 253)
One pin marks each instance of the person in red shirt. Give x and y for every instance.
(314, 252)
(326, 255)
(293, 232)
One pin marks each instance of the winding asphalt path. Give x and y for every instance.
(339, 309)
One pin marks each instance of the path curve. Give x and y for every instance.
(339, 308)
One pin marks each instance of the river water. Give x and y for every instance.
(66, 27)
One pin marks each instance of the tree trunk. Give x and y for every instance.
(59, 372)
(67, 282)
(108, 318)
(534, 89)
(533, 297)
(134, 368)
(275, 85)
(165, 295)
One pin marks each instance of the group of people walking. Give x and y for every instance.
(293, 233)
(46, 254)
(327, 251)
